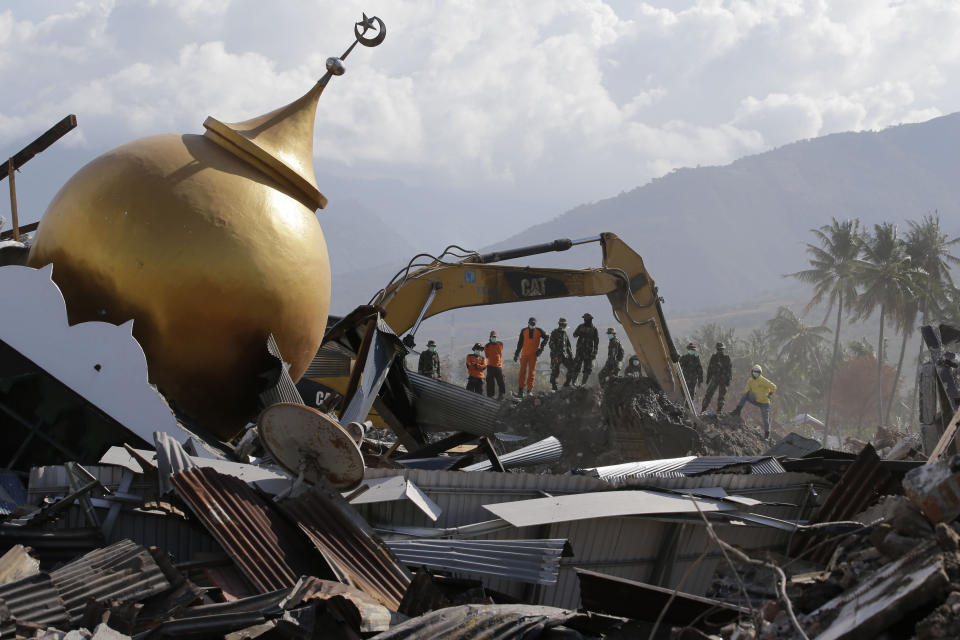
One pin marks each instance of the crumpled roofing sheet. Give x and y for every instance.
(34, 599)
(267, 550)
(604, 504)
(533, 561)
(470, 621)
(545, 451)
(122, 571)
(356, 554)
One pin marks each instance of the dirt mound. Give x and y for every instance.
(573, 415)
(630, 419)
(645, 423)
(727, 435)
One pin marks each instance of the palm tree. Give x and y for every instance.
(832, 272)
(905, 317)
(929, 248)
(798, 344)
(886, 276)
(708, 335)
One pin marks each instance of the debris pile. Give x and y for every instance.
(629, 419)
(727, 434)
(584, 513)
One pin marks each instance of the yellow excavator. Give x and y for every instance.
(430, 285)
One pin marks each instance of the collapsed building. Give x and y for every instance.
(199, 451)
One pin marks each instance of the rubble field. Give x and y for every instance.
(617, 515)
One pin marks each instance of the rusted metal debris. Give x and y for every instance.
(356, 554)
(862, 485)
(265, 548)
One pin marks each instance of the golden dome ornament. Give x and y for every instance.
(209, 243)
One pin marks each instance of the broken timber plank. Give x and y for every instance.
(946, 439)
(881, 599)
(46, 139)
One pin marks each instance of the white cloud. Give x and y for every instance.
(578, 98)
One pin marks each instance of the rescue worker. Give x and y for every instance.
(429, 364)
(633, 368)
(719, 373)
(759, 393)
(476, 363)
(561, 352)
(588, 341)
(531, 343)
(691, 367)
(493, 351)
(614, 356)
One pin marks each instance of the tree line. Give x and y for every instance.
(902, 278)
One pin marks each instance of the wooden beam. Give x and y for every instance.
(46, 139)
(949, 434)
(488, 449)
(15, 220)
(26, 228)
(441, 446)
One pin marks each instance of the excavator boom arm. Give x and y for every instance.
(622, 278)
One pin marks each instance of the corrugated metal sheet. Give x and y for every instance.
(439, 406)
(535, 561)
(543, 452)
(171, 459)
(52, 481)
(269, 552)
(606, 504)
(666, 468)
(331, 361)
(715, 464)
(357, 555)
(625, 547)
(283, 389)
(469, 621)
(860, 486)
(35, 599)
(122, 571)
(687, 466)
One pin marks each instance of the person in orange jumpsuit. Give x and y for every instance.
(493, 351)
(529, 347)
(476, 363)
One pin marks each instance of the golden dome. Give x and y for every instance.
(209, 243)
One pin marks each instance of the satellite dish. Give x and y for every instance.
(303, 440)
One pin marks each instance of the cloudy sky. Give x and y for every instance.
(476, 118)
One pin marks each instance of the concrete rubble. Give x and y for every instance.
(584, 513)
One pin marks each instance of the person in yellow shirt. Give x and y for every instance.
(758, 392)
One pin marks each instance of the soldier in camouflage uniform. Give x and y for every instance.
(588, 341)
(633, 369)
(429, 363)
(692, 368)
(614, 356)
(719, 372)
(561, 352)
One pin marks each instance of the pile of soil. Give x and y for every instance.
(630, 419)
(573, 416)
(727, 435)
(646, 424)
